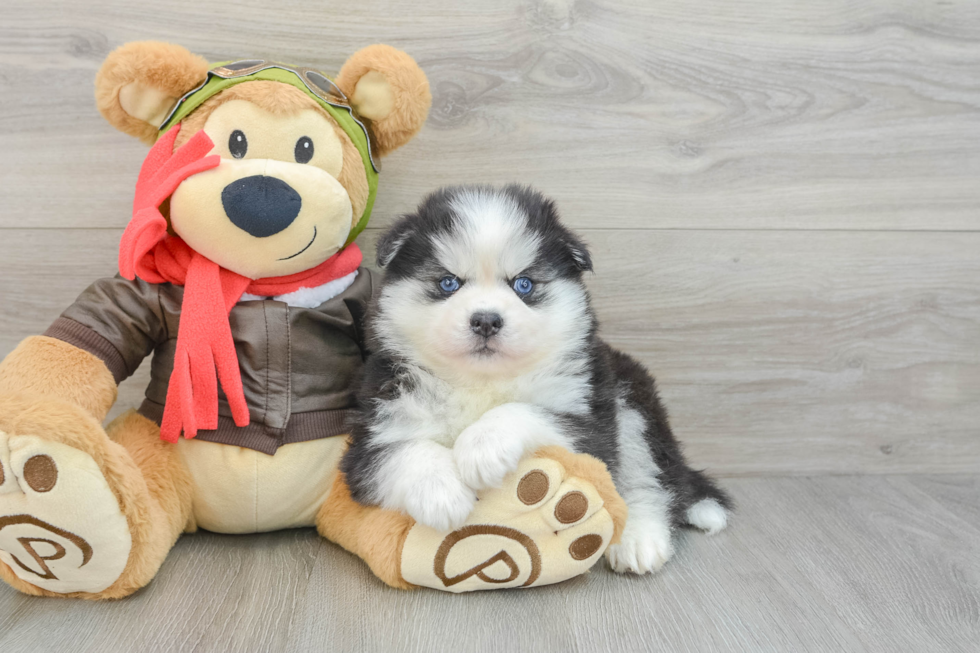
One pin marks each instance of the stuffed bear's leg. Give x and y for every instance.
(373, 534)
(551, 520)
(82, 514)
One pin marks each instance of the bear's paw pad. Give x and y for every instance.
(541, 527)
(61, 528)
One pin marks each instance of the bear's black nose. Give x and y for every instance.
(260, 205)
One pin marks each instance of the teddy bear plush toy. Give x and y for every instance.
(240, 275)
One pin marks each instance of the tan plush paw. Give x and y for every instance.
(61, 528)
(548, 522)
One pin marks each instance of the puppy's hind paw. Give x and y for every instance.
(645, 547)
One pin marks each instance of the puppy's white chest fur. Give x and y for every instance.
(455, 408)
(458, 405)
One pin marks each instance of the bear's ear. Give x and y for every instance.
(387, 87)
(139, 83)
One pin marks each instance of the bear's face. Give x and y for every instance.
(277, 203)
(291, 184)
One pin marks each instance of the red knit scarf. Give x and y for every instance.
(205, 348)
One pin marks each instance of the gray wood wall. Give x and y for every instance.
(783, 199)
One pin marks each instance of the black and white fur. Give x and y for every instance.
(452, 400)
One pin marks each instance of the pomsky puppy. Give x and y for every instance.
(484, 348)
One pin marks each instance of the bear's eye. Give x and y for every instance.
(304, 150)
(237, 144)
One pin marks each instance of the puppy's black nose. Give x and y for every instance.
(260, 205)
(486, 324)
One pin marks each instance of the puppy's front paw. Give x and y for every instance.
(485, 455)
(440, 501)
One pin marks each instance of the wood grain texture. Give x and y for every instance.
(809, 564)
(816, 352)
(957, 495)
(633, 113)
(778, 352)
(734, 166)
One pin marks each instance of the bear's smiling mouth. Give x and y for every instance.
(302, 250)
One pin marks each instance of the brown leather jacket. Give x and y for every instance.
(297, 364)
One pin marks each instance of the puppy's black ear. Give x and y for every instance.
(579, 253)
(392, 240)
(575, 248)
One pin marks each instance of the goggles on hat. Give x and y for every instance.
(316, 82)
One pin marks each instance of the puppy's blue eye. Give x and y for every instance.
(523, 285)
(449, 284)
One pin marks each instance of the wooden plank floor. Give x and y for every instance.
(844, 563)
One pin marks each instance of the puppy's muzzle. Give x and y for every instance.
(261, 206)
(486, 323)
